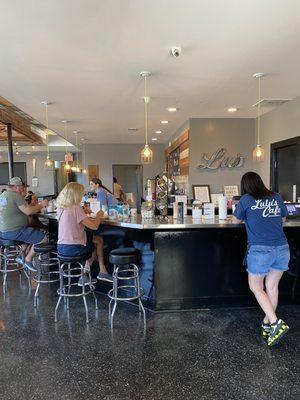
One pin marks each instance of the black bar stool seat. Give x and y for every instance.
(123, 256)
(45, 248)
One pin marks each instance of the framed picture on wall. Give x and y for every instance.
(93, 172)
(231, 191)
(202, 193)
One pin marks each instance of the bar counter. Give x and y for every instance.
(197, 264)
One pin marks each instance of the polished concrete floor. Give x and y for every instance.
(207, 355)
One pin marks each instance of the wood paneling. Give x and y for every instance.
(182, 143)
(178, 142)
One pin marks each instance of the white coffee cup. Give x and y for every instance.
(196, 213)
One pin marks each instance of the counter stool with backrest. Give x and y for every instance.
(70, 268)
(9, 251)
(47, 267)
(126, 280)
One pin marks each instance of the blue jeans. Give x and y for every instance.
(262, 259)
(26, 234)
(74, 250)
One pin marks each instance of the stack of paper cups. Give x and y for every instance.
(222, 207)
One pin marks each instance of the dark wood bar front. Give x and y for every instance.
(194, 265)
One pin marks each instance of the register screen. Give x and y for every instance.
(293, 210)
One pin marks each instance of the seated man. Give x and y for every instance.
(14, 214)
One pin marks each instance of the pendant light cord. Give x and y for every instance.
(66, 137)
(77, 150)
(258, 114)
(47, 127)
(146, 111)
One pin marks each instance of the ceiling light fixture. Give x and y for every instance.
(48, 162)
(232, 109)
(172, 109)
(164, 122)
(158, 132)
(258, 152)
(146, 152)
(154, 139)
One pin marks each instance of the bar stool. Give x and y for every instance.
(125, 279)
(9, 251)
(69, 268)
(44, 275)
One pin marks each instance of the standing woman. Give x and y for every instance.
(104, 195)
(268, 253)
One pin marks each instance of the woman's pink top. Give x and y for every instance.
(70, 228)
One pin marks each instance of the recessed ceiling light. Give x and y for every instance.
(158, 132)
(164, 122)
(172, 109)
(232, 109)
(28, 152)
(154, 139)
(15, 143)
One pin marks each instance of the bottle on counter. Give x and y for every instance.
(222, 207)
(180, 212)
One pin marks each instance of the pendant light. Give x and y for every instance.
(48, 161)
(76, 168)
(67, 153)
(84, 171)
(146, 152)
(258, 152)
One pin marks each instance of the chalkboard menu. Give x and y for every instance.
(174, 158)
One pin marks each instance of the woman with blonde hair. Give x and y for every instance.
(72, 238)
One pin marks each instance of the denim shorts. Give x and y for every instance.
(262, 259)
(74, 250)
(26, 234)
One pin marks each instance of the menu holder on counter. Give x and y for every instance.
(215, 198)
(208, 211)
(95, 207)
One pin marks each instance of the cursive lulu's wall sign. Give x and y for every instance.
(219, 159)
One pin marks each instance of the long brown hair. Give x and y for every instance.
(252, 184)
(98, 181)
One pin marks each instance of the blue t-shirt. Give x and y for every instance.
(263, 219)
(106, 199)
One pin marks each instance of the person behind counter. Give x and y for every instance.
(104, 195)
(72, 221)
(14, 213)
(118, 190)
(268, 253)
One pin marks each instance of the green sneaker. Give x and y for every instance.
(265, 330)
(278, 330)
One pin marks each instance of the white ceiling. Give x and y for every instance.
(85, 56)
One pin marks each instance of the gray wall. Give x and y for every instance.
(279, 124)
(46, 178)
(105, 155)
(237, 135)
